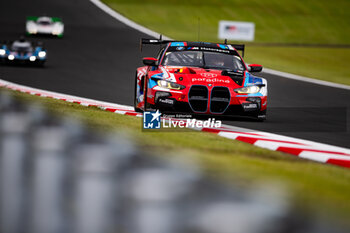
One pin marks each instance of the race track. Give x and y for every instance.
(97, 59)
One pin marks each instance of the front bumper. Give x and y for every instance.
(224, 105)
(22, 60)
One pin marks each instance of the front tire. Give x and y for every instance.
(261, 116)
(40, 63)
(135, 96)
(146, 105)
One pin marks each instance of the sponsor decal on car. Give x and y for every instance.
(250, 106)
(215, 50)
(166, 101)
(210, 80)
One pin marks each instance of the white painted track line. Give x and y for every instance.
(154, 34)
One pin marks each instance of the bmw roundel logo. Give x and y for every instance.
(180, 48)
(209, 85)
(208, 75)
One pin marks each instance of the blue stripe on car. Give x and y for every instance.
(177, 44)
(250, 95)
(223, 46)
(152, 83)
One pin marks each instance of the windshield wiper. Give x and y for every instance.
(204, 66)
(216, 67)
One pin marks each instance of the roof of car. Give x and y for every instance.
(201, 46)
(19, 43)
(180, 45)
(44, 19)
(198, 44)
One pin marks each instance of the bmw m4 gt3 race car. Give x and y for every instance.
(45, 25)
(200, 78)
(22, 52)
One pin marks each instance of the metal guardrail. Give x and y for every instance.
(57, 177)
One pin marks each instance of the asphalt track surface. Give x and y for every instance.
(98, 55)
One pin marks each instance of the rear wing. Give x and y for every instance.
(239, 47)
(153, 42)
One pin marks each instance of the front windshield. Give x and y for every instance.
(44, 22)
(21, 47)
(208, 60)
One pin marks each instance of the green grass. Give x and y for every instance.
(314, 187)
(287, 21)
(329, 64)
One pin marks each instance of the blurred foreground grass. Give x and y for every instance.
(289, 21)
(318, 188)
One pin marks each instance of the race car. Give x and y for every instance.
(200, 78)
(23, 52)
(45, 25)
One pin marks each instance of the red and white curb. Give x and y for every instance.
(302, 148)
(118, 108)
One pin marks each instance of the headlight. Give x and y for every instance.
(2, 52)
(32, 31)
(248, 90)
(11, 57)
(31, 28)
(42, 54)
(32, 58)
(170, 85)
(57, 31)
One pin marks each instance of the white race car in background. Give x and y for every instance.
(45, 25)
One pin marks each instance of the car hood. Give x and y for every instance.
(199, 76)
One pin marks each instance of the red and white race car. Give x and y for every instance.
(200, 78)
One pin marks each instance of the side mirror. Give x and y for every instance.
(149, 61)
(255, 68)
